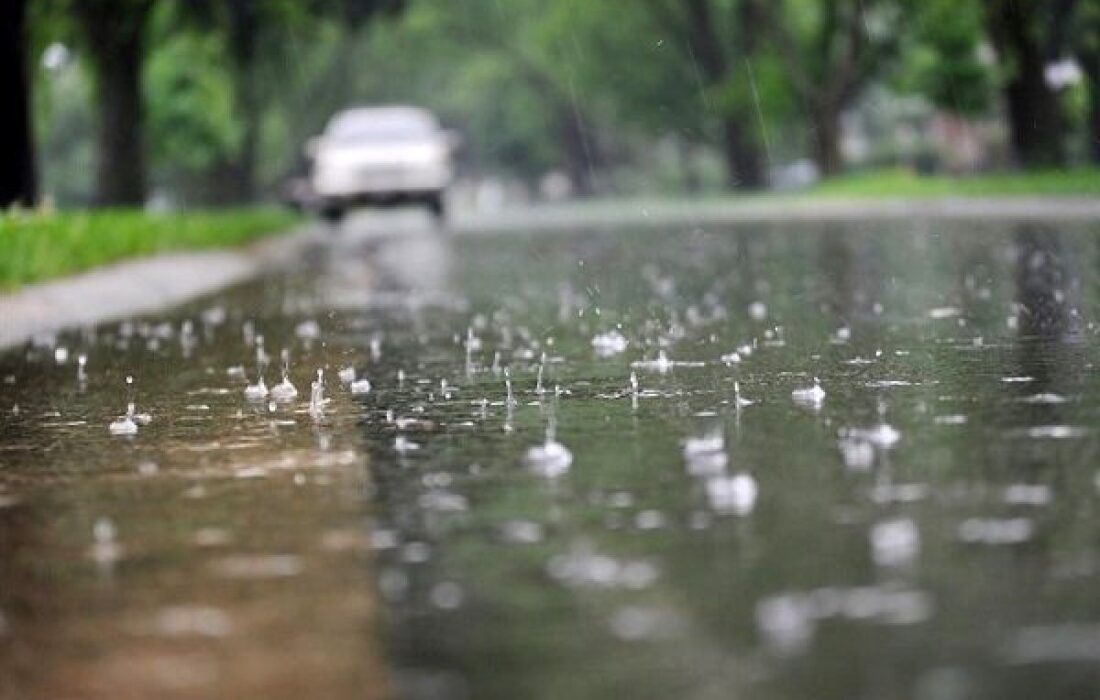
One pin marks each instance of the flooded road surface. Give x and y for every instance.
(817, 461)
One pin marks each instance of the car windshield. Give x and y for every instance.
(359, 127)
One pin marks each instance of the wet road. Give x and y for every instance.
(929, 528)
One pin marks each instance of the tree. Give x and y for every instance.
(831, 50)
(527, 106)
(251, 31)
(18, 183)
(941, 59)
(1020, 31)
(1085, 38)
(718, 39)
(114, 33)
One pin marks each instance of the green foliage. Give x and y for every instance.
(514, 75)
(943, 60)
(189, 94)
(905, 183)
(40, 246)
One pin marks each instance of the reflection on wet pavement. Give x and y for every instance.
(810, 461)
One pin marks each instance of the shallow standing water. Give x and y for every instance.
(929, 529)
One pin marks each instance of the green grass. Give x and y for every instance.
(41, 246)
(904, 183)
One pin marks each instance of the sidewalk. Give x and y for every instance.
(138, 286)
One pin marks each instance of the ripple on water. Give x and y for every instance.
(521, 532)
(1050, 432)
(550, 459)
(583, 567)
(192, 621)
(641, 622)
(1028, 494)
(609, 344)
(996, 531)
(788, 622)
(257, 566)
(895, 542)
(1075, 642)
(732, 495)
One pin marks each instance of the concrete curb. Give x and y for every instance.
(765, 210)
(139, 286)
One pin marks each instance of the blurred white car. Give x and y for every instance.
(380, 155)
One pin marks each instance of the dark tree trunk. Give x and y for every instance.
(1094, 117)
(744, 160)
(1090, 61)
(115, 34)
(580, 159)
(1034, 111)
(243, 25)
(17, 173)
(692, 183)
(826, 135)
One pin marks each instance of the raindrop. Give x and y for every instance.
(812, 396)
(538, 381)
(346, 375)
(895, 542)
(609, 344)
(447, 595)
(509, 400)
(317, 398)
(105, 547)
(858, 454)
(738, 400)
(308, 330)
(735, 495)
(128, 424)
(360, 386)
(758, 311)
(996, 531)
(284, 391)
(257, 391)
(551, 458)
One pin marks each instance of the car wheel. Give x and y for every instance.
(436, 207)
(332, 213)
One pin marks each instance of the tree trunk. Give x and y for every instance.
(18, 183)
(1090, 62)
(115, 33)
(1094, 118)
(744, 162)
(578, 151)
(1034, 112)
(243, 25)
(689, 174)
(826, 134)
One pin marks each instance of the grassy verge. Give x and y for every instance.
(40, 246)
(904, 183)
